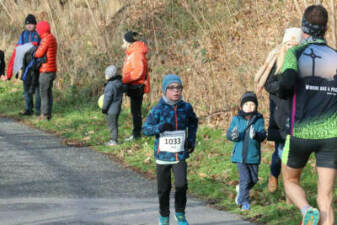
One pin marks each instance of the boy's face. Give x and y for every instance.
(173, 92)
(249, 107)
(30, 27)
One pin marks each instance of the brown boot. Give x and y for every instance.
(272, 183)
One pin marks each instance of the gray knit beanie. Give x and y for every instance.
(110, 72)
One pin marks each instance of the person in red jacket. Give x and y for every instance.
(48, 47)
(135, 76)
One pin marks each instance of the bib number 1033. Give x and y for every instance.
(172, 141)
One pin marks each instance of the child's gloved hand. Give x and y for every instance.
(104, 111)
(190, 148)
(165, 127)
(235, 133)
(252, 132)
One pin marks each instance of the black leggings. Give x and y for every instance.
(164, 187)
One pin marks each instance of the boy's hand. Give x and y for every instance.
(190, 148)
(252, 132)
(165, 127)
(235, 133)
(4, 78)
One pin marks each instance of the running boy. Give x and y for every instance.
(113, 96)
(247, 132)
(175, 125)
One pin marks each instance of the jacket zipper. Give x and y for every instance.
(176, 117)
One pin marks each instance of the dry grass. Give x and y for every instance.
(215, 46)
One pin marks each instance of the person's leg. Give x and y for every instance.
(37, 101)
(50, 93)
(325, 187)
(112, 125)
(293, 189)
(244, 182)
(253, 170)
(180, 183)
(44, 82)
(136, 111)
(28, 98)
(164, 188)
(275, 169)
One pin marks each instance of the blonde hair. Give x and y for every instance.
(282, 53)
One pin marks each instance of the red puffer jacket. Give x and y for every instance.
(135, 69)
(47, 46)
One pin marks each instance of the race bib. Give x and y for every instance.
(172, 141)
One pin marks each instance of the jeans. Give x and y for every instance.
(29, 104)
(248, 178)
(164, 187)
(275, 167)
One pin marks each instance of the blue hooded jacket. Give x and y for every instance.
(247, 150)
(182, 117)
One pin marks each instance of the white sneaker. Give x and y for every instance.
(237, 189)
(131, 138)
(111, 143)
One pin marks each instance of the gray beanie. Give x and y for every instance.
(110, 72)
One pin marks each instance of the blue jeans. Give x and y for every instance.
(248, 178)
(29, 99)
(275, 167)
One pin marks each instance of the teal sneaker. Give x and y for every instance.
(180, 217)
(311, 217)
(164, 220)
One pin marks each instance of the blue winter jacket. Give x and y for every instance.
(182, 117)
(247, 150)
(28, 36)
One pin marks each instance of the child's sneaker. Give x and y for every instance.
(237, 197)
(311, 217)
(180, 217)
(164, 220)
(245, 206)
(111, 143)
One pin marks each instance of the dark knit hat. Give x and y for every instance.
(248, 96)
(30, 19)
(130, 36)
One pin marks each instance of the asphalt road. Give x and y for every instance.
(44, 182)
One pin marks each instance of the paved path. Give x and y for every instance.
(45, 182)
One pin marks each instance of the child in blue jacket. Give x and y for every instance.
(247, 132)
(174, 124)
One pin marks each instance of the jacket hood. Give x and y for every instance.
(43, 28)
(137, 46)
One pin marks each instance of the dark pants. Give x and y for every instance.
(112, 120)
(29, 99)
(136, 111)
(46, 91)
(248, 178)
(275, 167)
(164, 187)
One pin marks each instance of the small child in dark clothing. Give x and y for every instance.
(247, 132)
(113, 96)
